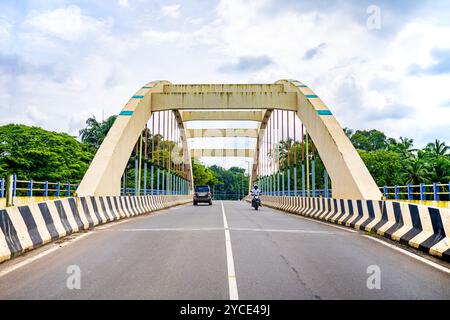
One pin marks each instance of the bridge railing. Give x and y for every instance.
(321, 193)
(422, 192)
(149, 192)
(32, 188)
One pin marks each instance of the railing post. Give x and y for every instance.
(278, 184)
(14, 185)
(124, 183)
(68, 189)
(422, 192)
(385, 191)
(313, 177)
(289, 181)
(2, 188)
(303, 180)
(436, 191)
(396, 192)
(168, 186)
(295, 180)
(410, 196)
(58, 188)
(157, 181)
(152, 169)
(163, 181)
(9, 191)
(274, 185)
(46, 189)
(145, 177)
(325, 183)
(30, 188)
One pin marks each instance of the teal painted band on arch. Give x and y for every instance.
(138, 97)
(302, 86)
(310, 96)
(126, 113)
(324, 112)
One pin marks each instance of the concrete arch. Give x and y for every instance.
(350, 177)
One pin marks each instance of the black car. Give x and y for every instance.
(202, 194)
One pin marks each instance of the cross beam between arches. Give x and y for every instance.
(221, 133)
(247, 153)
(222, 115)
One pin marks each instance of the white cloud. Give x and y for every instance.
(123, 3)
(64, 23)
(35, 115)
(172, 11)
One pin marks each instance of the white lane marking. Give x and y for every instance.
(410, 254)
(40, 255)
(288, 231)
(232, 285)
(164, 229)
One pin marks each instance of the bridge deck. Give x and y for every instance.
(180, 254)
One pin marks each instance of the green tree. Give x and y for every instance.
(95, 132)
(202, 174)
(437, 149)
(404, 146)
(233, 183)
(415, 172)
(34, 153)
(384, 166)
(369, 140)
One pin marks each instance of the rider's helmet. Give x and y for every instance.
(255, 186)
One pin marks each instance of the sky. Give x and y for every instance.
(376, 64)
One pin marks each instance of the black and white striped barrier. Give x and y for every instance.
(27, 227)
(422, 227)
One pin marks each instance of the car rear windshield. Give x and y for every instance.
(202, 189)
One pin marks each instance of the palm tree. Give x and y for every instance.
(404, 147)
(438, 148)
(415, 172)
(95, 132)
(440, 170)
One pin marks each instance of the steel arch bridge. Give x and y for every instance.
(236, 102)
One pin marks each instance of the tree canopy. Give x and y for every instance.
(34, 153)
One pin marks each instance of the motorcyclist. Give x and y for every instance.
(255, 191)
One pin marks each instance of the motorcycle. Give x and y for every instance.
(256, 202)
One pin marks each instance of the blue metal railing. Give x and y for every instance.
(32, 188)
(131, 192)
(324, 193)
(434, 192)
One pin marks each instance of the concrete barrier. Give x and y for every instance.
(422, 227)
(23, 228)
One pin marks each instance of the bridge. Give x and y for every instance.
(331, 236)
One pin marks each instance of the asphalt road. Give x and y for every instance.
(181, 253)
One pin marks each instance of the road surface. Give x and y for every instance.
(183, 253)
